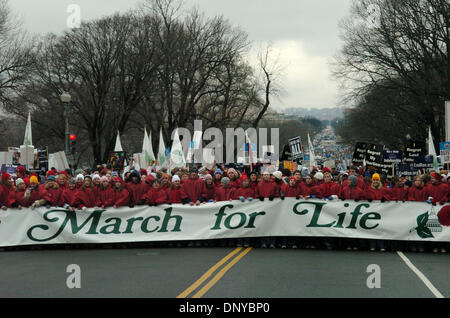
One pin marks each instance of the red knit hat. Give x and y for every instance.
(5, 176)
(64, 172)
(27, 181)
(435, 175)
(326, 169)
(292, 178)
(143, 172)
(50, 173)
(20, 169)
(118, 179)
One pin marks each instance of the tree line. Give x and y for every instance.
(394, 68)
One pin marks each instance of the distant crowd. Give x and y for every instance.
(107, 188)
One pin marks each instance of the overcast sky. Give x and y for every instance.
(303, 32)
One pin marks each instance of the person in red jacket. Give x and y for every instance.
(329, 189)
(309, 189)
(208, 189)
(436, 190)
(253, 180)
(193, 187)
(399, 192)
(217, 177)
(106, 194)
(377, 191)
(233, 175)
(36, 194)
(245, 191)
(121, 194)
(266, 188)
(85, 197)
(156, 195)
(54, 191)
(165, 181)
(225, 192)
(136, 187)
(291, 190)
(62, 179)
(417, 191)
(176, 193)
(351, 191)
(19, 194)
(96, 184)
(7, 191)
(68, 194)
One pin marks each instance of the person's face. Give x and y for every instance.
(231, 174)
(22, 187)
(218, 176)
(297, 175)
(376, 182)
(245, 183)
(96, 182)
(143, 177)
(208, 181)
(117, 184)
(194, 175)
(176, 183)
(184, 177)
(253, 177)
(156, 185)
(434, 180)
(10, 182)
(351, 171)
(108, 175)
(61, 180)
(292, 183)
(308, 180)
(165, 180)
(87, 182)
(134, 179)
(266, 177)
(327, 178)
(105, 183)
(418, 182)
(72, 186)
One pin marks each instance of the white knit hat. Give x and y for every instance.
(175, 178)
(80, 177)
(318, 176)
(278, 174)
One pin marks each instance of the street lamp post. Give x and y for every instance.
(65, 99)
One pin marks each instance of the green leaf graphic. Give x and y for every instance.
(424, 232)
(422, 220)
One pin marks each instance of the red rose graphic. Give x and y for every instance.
(444, 216)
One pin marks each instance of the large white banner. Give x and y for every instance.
(289, 217)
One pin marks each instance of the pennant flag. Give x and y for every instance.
(432, 150)
(28, 140)
(162, 153)
(312, 157)
(176, 154)
(147, 149)
(118, 146)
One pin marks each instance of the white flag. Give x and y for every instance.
(194, 144)
(28, 140)
(249, 146)
(432, 150)
(162, 157)
(118, 146)
(176, 153)
(312, 157)
(147, 149)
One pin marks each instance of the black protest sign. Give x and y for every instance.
(286, 154)
(295, 145)
(42, 159)
(405, 169)
(360, 152)
(392, 156)
(374, 156)
(413, 150)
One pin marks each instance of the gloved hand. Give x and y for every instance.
(297, 197)
(271, 198)
(141, 202)
(210, 200)
(313, 197)
(330, 198)
(65, 206)
(115, 206)
(370, 200)
(356, 200)
(85, 208)
(250, 199)
(343, 198)
(383, 200)
(282, 197)
(430, 200)
(261, 198)
(403, 201)
(131, 205)
(242, 199)
(48, 206)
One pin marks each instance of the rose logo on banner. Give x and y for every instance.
(427, 223)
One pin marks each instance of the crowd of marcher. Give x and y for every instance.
(104, 188)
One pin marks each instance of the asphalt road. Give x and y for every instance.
(219, 273)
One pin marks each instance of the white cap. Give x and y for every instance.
(96, 176)
(175, 178)
(277, 174)
(318, 176)
(80, 177)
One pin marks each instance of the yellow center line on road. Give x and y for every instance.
(205, 276)
(219, 275)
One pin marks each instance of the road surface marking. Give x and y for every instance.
(422, 277)
(205, 276)
(219, 275)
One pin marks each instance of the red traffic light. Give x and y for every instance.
(73, 137)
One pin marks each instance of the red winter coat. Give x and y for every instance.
(278, 187)
(417, 194)
(399, 193)
(236, 183)
(176, 194)
(84, 198)
(265, 189)
(7, 195)
(351, 193)
(121, 198)
(439, 192)
(55, 196)
(208, 192)
(244, 192)
(156, 196)
(193, 188)
(68, 196)
(106, 197)
(39, 194)
(224, 194)
(19, 199)
(291, 192)
(328, 189)
(136, 190)
(310, 190)
(375, 194)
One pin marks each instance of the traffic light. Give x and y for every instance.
(73, 143)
